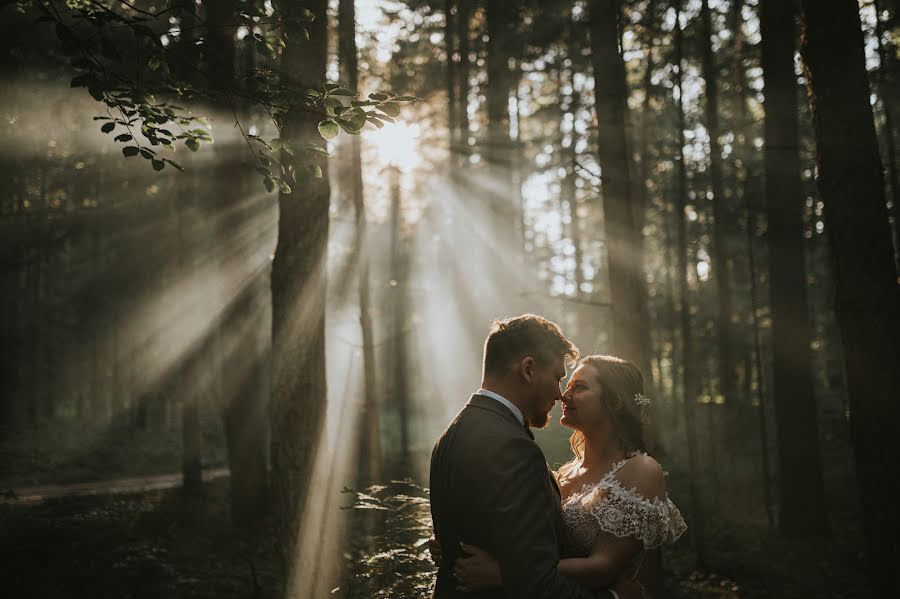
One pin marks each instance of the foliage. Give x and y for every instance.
(388, 554)
(144, 91)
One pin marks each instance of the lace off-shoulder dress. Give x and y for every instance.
(607, 506)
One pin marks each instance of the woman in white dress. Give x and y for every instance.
(615, 505)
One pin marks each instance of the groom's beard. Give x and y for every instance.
(539, 420)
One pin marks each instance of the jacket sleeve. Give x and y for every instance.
(521, 516)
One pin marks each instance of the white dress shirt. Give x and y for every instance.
(512, 407)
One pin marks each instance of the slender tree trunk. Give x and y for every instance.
(370, 444)
(753, 358)
(640, 218)
(611, 96)
(238, 387)
(568, 187)
(687, 340)
(852, 188)
(887, 88)
(720, 258)
(191, 439)
(800, 463)
(299, 396)
(498, 147)
(398, 319)
(450, 49)
(463, 16)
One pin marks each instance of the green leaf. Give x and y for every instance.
(333, 104)
(130, 151)
(107, 127)
(314, 148)
(351, 126)
(390, 108)
(158, 165)
(123, 137)
(193, 144)
(269, 182)
(316, 171)
(341, 91)
(378, 97)
(328, 129)
(284, 187)
(148, 154)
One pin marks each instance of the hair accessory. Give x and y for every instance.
(642, 400)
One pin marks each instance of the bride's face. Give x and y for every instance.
(582, 405)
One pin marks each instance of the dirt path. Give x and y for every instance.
(26, 495)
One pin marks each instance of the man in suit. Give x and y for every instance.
(490, 483)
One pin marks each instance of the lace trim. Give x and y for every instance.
(609, 507)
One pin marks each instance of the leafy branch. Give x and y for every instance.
(90, 38)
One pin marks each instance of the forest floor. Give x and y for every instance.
(159, 543)
(150, 545)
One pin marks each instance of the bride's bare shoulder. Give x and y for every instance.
(645, 474)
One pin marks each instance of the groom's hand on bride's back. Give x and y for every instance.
(434, 548)
(476, 570)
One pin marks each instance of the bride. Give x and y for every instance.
(614, 500)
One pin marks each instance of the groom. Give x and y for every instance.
(490, 484)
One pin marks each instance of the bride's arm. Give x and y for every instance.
(610, 558)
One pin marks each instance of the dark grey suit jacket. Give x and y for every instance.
(491, 487)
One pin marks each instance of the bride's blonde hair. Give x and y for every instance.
(621, 383)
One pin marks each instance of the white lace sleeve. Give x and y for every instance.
(625, 513)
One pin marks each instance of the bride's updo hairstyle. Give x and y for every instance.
(621, 384)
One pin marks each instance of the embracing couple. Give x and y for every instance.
(505, 524)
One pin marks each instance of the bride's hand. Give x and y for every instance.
(434, 548)
(476, 570)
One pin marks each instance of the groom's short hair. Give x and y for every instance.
(513, 339)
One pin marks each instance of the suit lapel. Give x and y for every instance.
(553, 478)
(488, 403)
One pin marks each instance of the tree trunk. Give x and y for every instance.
(463, 16)
(298, 302)
(753, 357)
(687, 340)
(800, 463)
(450, 50)
(720, 266)
(498, 147)
(887, 89)
(611, 96)
(568, 186)
(369, 435)
(191, 437)
(398, 314)
(239, 386)
(850, 182)
(651, 385)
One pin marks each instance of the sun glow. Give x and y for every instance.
(396, 144)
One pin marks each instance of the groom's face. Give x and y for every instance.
(546, 392)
